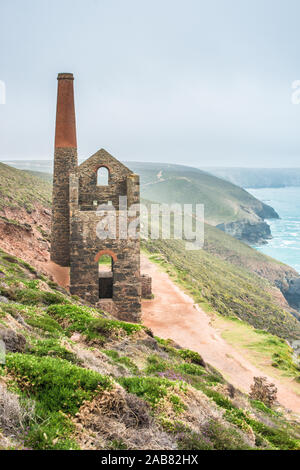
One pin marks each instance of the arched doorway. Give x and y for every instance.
(105, 260)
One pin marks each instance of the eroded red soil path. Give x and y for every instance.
(173, 314)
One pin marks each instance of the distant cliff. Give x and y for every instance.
(255, 232)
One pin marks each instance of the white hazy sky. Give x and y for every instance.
(203, 83)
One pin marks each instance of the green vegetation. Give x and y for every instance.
(105, 259)
(154, 389)
(191, 369)
(34, 297)
(58, 388)
(52, 347)
(55, 382)
(260, 346)
(46, 323)
(49, 372)
(20, 190)
(155, 364)
(88, 322)
(224, 202)
(191, 356)
(123, 360)
(262, 407)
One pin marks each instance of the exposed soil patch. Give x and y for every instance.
(26, 235)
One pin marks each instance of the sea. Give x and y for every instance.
(285, 244)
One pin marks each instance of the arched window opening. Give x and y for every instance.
(102, 176)
(105, 269)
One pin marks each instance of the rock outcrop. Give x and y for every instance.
(255, 232)
(14, 342)
(253, 229)
(291, 291)
(266, 212)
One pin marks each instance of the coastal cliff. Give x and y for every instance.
(252, 232)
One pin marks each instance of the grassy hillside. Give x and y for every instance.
(224, 202)
(39, 166)
(240, 254)
(20, 190)
(272, 355)
(75, 378)
(44, 176)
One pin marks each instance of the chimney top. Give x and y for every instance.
(65, 76)
(65, 134)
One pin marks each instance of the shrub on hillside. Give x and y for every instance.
(55, 382)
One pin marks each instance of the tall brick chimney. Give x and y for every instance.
(65, 162)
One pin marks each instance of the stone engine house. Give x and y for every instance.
(78, 190)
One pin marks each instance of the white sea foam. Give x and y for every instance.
(285, 244)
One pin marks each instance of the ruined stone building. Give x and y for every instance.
(77, 192)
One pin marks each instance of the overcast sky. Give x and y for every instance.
(204, 83)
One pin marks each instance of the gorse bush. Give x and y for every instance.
(191, 369)
(44, 322)
(259, 405)
(193, 356)
(32, 296)
(80, 319)
(57, 387)
(51, 347)
(55, 382)
(156, 364)
(152, 389)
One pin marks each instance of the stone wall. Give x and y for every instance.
(89, 191)
(85, 246)
(146, 281)
(65, 162)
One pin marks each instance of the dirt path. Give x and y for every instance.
(173, 314)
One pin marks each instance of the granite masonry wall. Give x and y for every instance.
(89, 191)
(85, 246)
(65, 162)
(146, 281)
